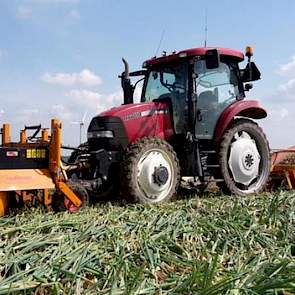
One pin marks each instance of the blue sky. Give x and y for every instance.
(61, 58)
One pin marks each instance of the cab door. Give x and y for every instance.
(216, 89)
(170, 84)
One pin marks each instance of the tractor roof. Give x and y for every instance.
(234, 54)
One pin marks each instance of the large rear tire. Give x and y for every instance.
(244, 159)
(150, 172)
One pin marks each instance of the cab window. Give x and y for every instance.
(165, 81)
(222, 80)
(170, 83)
(216, 89)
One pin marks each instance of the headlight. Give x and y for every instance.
(101, 133)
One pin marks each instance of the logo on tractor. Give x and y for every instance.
(147, 113)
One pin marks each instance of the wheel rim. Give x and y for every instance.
(155, 175)
(245, 162)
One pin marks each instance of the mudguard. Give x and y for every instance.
(243, 108)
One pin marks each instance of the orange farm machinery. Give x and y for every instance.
(282, 169)
(31, 170)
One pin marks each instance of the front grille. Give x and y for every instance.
(120, 140)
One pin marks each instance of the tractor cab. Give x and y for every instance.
(198, 84)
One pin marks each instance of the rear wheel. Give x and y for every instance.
(244, 159)
(150, 172)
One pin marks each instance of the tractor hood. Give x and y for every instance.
(129, 111)
(132, 121)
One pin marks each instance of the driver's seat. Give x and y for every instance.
(207, 100)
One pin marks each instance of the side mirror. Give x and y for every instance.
(212, 59)
(250, 73)
(248, 86)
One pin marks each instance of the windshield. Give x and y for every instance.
(166, 82)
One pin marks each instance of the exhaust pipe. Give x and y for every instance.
(128, 88)
(126, 66)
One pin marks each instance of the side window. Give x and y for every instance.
(221, 82)
(216, 90)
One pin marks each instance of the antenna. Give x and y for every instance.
(206, 27)
(160, 42)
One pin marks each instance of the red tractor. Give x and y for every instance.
(192, 122)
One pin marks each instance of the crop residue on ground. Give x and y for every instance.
(208, 245)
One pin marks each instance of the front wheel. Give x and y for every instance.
(150, 172)
(244, 158)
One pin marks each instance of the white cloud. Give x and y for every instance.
(288, 68)
(277, 113)
(61, 112)
(75, 14)
(29, 111)
(277, 126)
(113, 99)
(28, 116)
(289, 85)
(280, 109)
(85, 97)
(284, 113)
(284, 93)
(24, 12)
(95, 101)
(81, 102)
(85, 78)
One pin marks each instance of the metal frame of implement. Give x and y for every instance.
(31, 166)
(282, 169)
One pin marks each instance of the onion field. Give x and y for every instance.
(207, 245)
